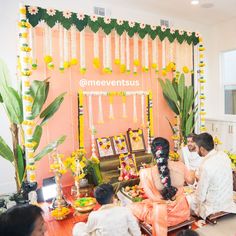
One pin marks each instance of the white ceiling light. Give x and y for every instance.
(194, 2)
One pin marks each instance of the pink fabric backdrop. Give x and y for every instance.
(64, 122)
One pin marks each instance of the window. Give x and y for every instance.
(228, 64)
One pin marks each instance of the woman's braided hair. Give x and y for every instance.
(160, 150)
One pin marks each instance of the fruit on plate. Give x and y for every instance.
(135, 192)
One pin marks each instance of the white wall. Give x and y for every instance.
(8, 46)
(222, 38)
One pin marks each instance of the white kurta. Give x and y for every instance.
(109, 220)
(191, 159)
(214, 192)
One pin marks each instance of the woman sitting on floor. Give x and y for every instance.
(163, 184)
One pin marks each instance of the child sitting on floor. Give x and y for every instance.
(109, 219)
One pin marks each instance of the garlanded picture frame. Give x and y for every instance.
(136, 140)
(128, 167)
(104, 147)
(120, 144)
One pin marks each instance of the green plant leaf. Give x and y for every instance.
(49, 148)
(1, 98)
(189, 125)
(37, 136)
(5, 151)
(171, 91)
(171, 126)
(20, 163)
(13, 103)
(4, 73)
(181, 86)
(171, 104)
(38, 92)
(52, 108)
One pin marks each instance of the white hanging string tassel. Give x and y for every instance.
(171, 52)
(104, 60)
(47, 56)
(74, 60)
(146, 53)
(122, 54)
(61, 49)
(90, 112)
(82, 52)
(108, 68)
(66, 62)
(50, 64)
(96, 61)
(135, 119)
(154, 55)
(111, 113)
(136, 58)
(100, 111)
(163, 54)
(142, 112)
(127, 53)
(33, 52)
(117, 49)
(124, 113)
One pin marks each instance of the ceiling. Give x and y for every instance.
(208, 12)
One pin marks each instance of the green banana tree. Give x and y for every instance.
(180, 98)
(12, 101)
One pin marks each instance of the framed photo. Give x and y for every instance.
(136, 140)
(120, 144)
(104, 147)
(128, 168)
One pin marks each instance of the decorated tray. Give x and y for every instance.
(84, 204)
(135, 193)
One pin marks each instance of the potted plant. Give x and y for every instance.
(12, 101)
(180, 98)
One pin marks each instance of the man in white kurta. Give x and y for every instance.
(214, 192)
(109, 220)
(189, 156)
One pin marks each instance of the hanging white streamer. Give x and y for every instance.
(142, 107)
(135, 119)
(111, 113)
(124, 113)
(82, 49)
(100, 110)
(122, 50)
(171, 52)
(66, 55)
(104, 52)
(96, 45)
(117, 47)
(61, 47)
(50, 41)
(154, 52)
(90, 113)
(127, 53)
(163, 54)
(146, 62)
(73, 42)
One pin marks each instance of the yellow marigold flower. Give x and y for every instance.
(30, 167)
(201, 49)
(29, 131)
(145, 69)
(185, 69)
(47, 59)
(61, 69)
(201, 55)
(164, 72)
(154, 65)
(202, 80)
(202, 113)
(27, 83)
(201, 64)
(32, 177)
(26, 73)
(203, 129)
(136, 62)
(66, 64)
(74, 61)
(23, 11)
(31, 155)
(28, 108)
(117, 61)
(25, 49)
(202, 96)
(122, 68)
(96, 62)
(201, 104)
(82, 71)
(95, 160)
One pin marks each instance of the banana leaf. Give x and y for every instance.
(37, 136)
(171, 91)
(20, 163)
(13, 103)
(171, 104)
(52, 108)
(4, 73)
(5, 151)
(181, 86)
(175, 86)
(38, 92)
(189, 125)
(171, 126)
(49, 148)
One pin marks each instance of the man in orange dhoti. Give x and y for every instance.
(163, 184)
